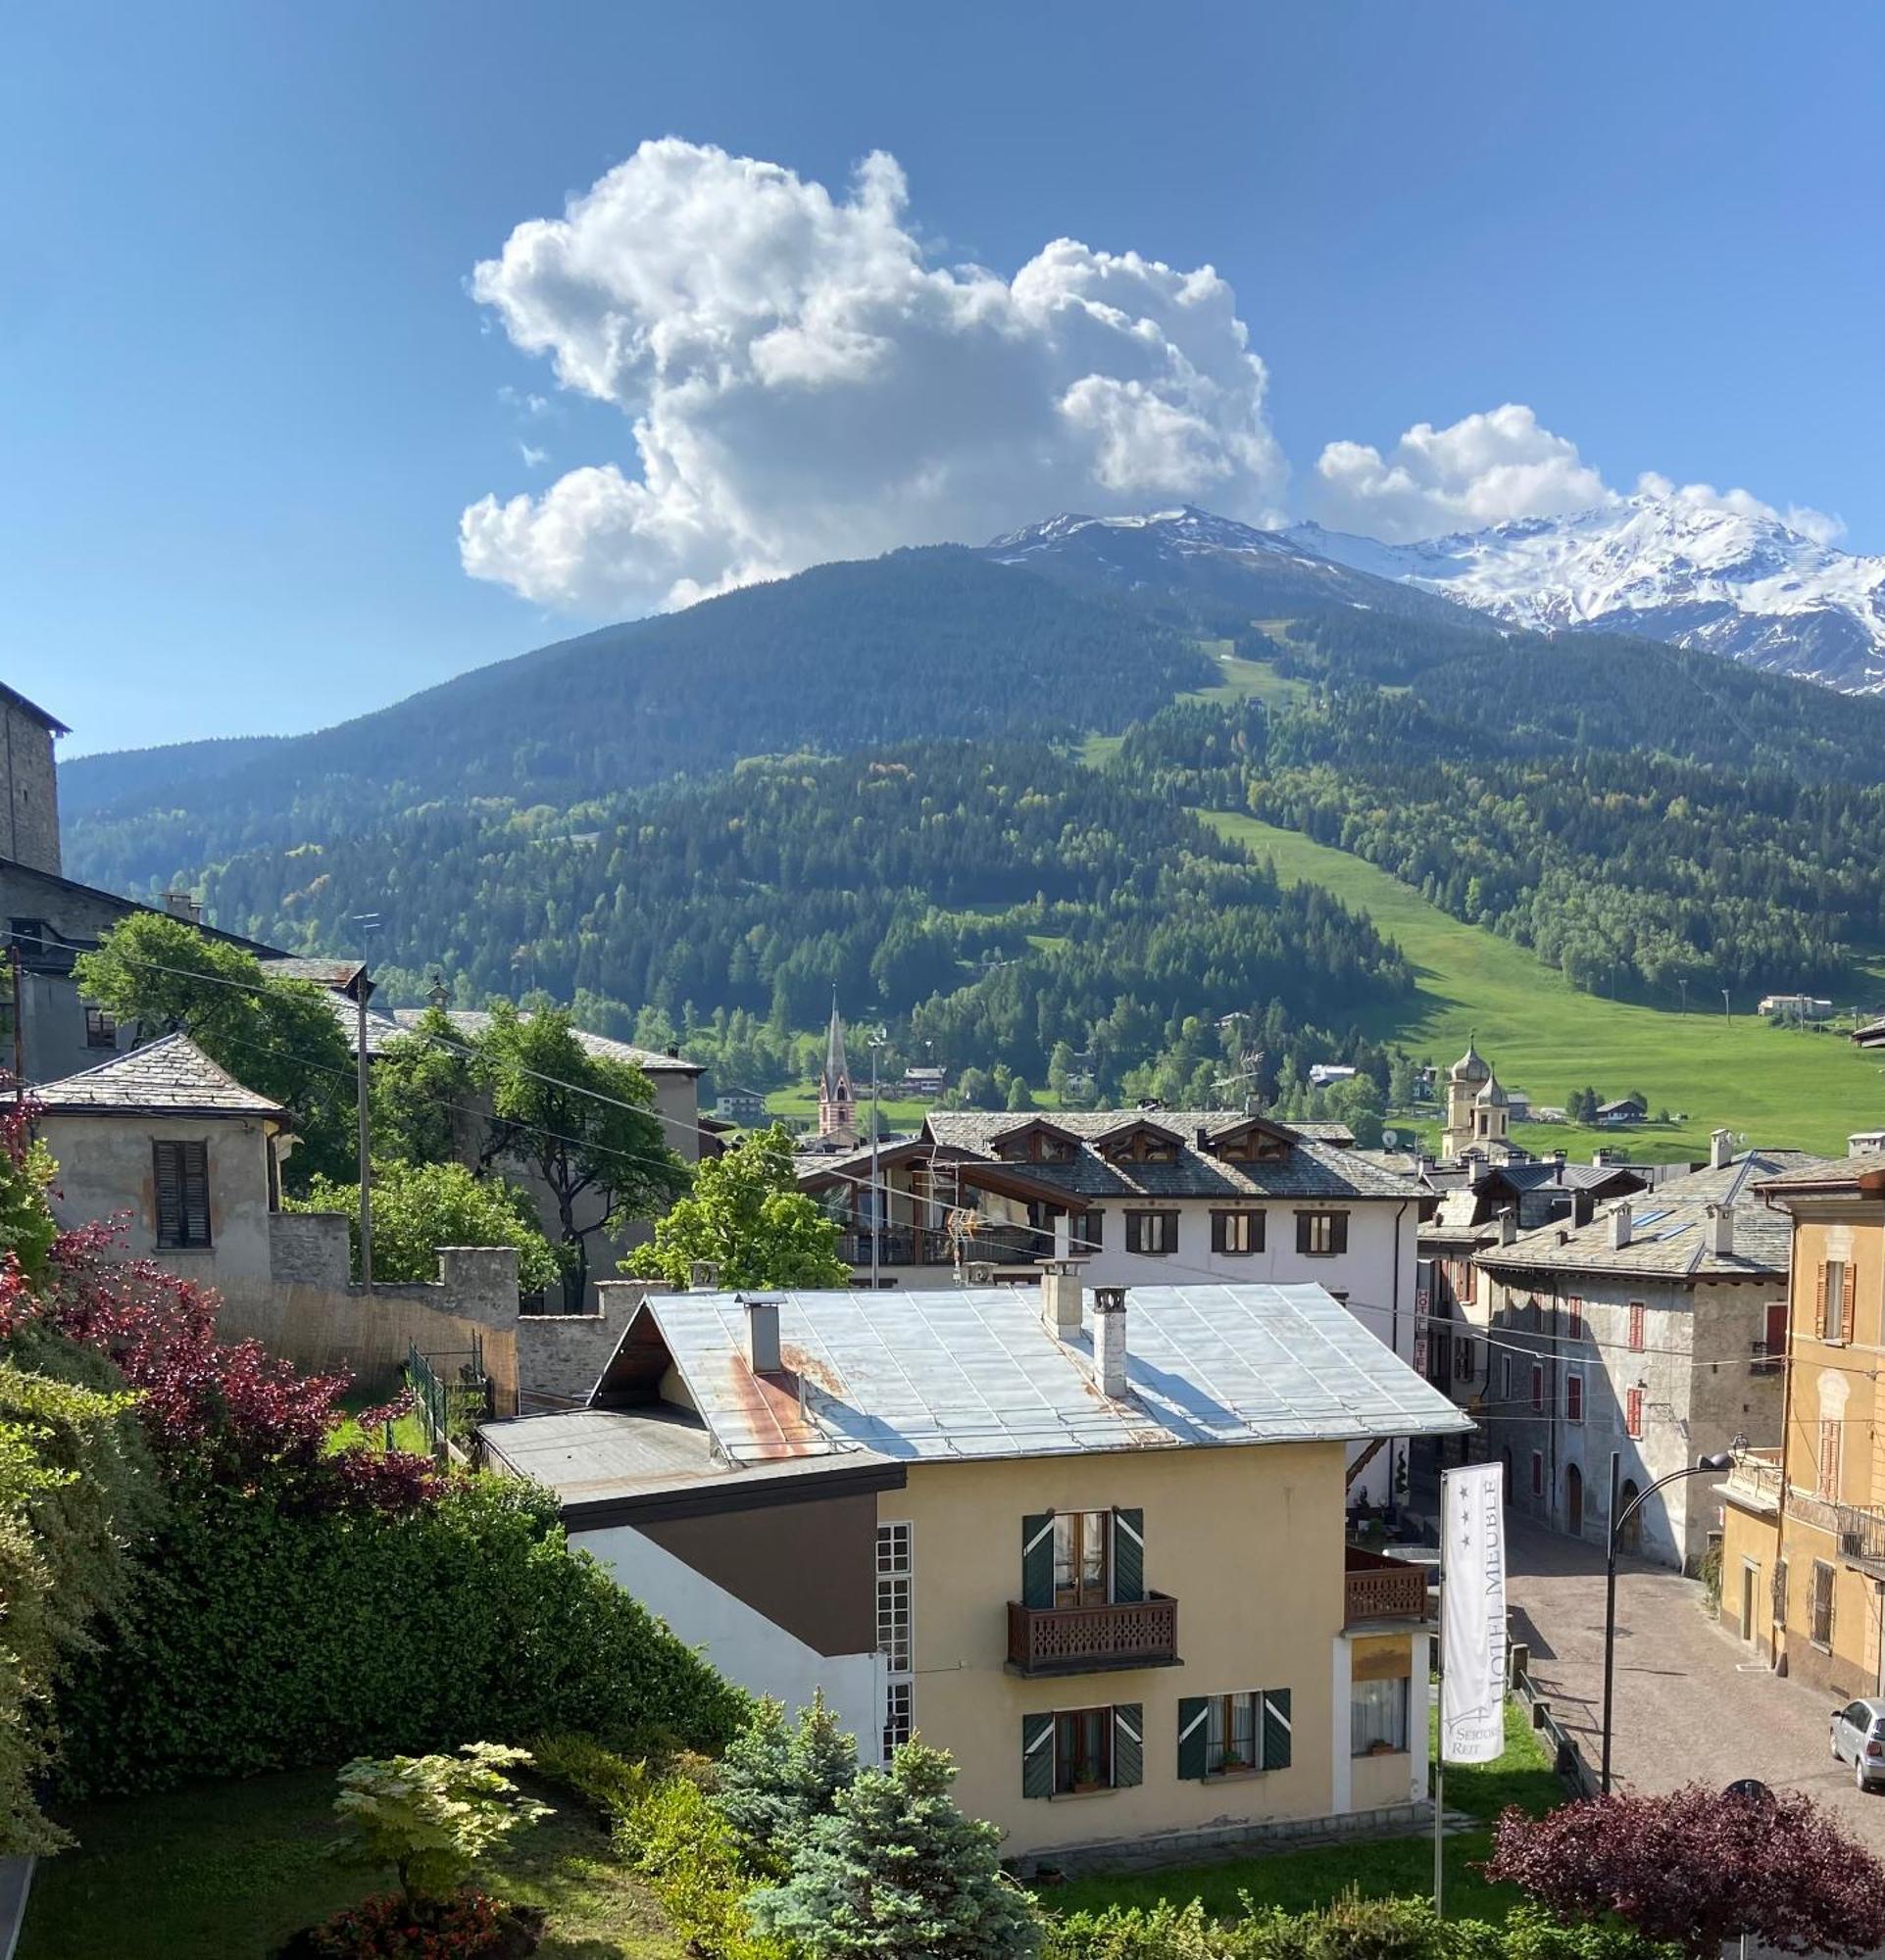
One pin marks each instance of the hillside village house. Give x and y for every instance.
(1802, 1550)
(675, 1080)
(1652, 1335)
(1139, 1197)
(1092, 1545)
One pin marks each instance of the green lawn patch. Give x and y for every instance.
(1385, 1868)
(231, 1869)
(1779, 1086)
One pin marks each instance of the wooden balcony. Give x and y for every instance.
(925, 1246)
(1091, 1640)
(1378, 1587)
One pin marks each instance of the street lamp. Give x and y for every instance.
(1703, 1466)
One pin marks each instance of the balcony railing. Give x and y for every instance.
(925, 1246)
(1377, 1588)
(1755, 1479)
(1089, 1639)
(1766, 1357)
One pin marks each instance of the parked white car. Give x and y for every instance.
(1858, 1739)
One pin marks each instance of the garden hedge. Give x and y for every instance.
(261, 1638)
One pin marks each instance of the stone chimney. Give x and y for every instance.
(1720, 1228)
(703, 1276)
(1108, 1341)
(1583, 1205)
(762, 1331)
(1866, 1142)
(184, 905)
(1621, 1225)
(1720, 1148)
(1061, 1298)
(1507, 1226)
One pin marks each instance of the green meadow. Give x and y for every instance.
(1779, 1086)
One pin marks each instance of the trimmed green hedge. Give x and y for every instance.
(261, 1639)
(1348, 1928)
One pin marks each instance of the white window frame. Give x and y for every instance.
(896, 1629)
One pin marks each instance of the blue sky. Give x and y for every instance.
(246, 392)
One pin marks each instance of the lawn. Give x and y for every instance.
(1240, 680)
(1391, 1867)
(231, 1869)
(1778, 1087)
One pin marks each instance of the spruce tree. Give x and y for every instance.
(895, 1869)
(776, 1779)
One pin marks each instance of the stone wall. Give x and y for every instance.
(311, 1315)
(562, 1356)
(32, 790)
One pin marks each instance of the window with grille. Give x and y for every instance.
(1461, 1356)
(1151, 1231)
(1633, 1414)
(101, 1028)
(1321, 1235)
(1822, 1604)
(1537, 1388)
(1377, 1716)
(894, 1578)
(1574, 1399)
(1237, 1232)
(1636, 1327)
(181, 1178)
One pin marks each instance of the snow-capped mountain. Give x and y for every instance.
(1188, 558)
(1670, 567)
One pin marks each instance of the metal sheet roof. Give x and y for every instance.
(973, 1372)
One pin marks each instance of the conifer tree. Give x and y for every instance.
(897, 1869)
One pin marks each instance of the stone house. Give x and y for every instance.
(1651, 1336)
(1092, 1544)
(1136, 1197)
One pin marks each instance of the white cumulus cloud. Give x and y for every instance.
(1490, 467)
(799, 383)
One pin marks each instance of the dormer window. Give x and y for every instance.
(1139, 1143)
(1252, 1141)
(1036, 1142)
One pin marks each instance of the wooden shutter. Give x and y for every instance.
(1194, 1738)
(1128, 1558)
(1847, 1291)
(1037, 1755)
(1819, 1301)
(1338, 1232)
(1129, 1745)
(1037, 1559)
(1304, 1231)
(1276, 1733)
(167, 1172)
(196, 1194)
(1219, 1230)
(181, 1181)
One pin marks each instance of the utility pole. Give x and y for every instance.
(1725, 1005)
(368, 923)
(880, 1210)
(18, 1025)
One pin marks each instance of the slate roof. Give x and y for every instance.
(334, 974)
(1668, 1236)
(973, 1372)
(1827, 1173)
(169, 1077)
(1548, 1172)
(1312, 1169)
(16, 699)
(474, 1020)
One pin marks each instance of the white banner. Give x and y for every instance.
(1472, 1614)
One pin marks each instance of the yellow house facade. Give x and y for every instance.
(1802, 1551)
(1098, 1536)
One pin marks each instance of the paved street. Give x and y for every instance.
(1691, 1702)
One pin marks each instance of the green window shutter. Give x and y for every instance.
(1128, 1558)
(1194, 1736)
(1277, 1729)
(1037, 1559)
(1129, 1745)
(1037, 1755)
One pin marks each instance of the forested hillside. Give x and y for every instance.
(994, 898)
(1642, 818)
(914, 645)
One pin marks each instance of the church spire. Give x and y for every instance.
(837, 1106)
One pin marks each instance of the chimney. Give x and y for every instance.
(703, 1276)
(1866, 1142)
(1720, 1148)
(1621, 1225)
(762, 1331)
(1061, 1298)
(1582, 1204)
(182, 905)
(1558, 1158)
(1720, 1229)
(1507, 1226)
(1108, 1341)
(1477, 1169)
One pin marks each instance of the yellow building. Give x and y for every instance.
(1802, 1554)
(1102, 1537)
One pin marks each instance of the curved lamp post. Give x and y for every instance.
(1703, 1466)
